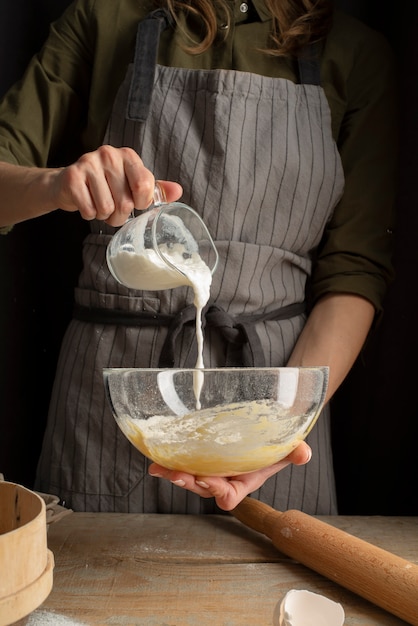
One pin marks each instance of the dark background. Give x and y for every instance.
(375, 413)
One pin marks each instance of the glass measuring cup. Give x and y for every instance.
(161, 247)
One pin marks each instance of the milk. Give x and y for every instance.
(146, 270)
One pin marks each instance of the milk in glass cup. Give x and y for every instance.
(165, 246)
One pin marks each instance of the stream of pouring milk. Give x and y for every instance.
(147, 270)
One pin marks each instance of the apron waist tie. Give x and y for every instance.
(243, 343)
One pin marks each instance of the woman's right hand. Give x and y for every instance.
(229, 492)
(107, 184)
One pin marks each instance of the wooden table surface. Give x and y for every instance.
(175, 570)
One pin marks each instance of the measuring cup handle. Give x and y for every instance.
(159, 195)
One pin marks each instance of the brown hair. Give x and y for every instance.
(296, 23)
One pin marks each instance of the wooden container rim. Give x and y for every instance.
(35, 499)
(23, 552)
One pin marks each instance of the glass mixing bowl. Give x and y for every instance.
(249, 418)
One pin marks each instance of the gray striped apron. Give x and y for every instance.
(256, 159)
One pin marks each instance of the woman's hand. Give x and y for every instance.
(106, 184)
(228, 492)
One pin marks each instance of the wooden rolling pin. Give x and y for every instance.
(379, 576)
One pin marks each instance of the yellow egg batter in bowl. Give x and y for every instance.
(216, 422)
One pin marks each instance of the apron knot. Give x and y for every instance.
(243, 345)
(242, 340)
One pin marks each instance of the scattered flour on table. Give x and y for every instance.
(48, 618)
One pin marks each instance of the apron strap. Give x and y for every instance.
(145, 59)
(118, 317)
(243, 345)
(309, 64)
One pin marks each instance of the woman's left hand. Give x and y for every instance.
(228, 492)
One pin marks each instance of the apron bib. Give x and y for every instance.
(256, 159)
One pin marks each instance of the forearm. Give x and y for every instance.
(25, 192)
(334, 335)
(106, 184)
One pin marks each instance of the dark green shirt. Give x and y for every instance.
(60, 110)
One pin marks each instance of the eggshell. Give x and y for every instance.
(300, 607)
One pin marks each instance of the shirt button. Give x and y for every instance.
(243, 7)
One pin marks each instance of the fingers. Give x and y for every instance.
(108, 184)
(180, 479)
(300, 455)
(228, 492)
